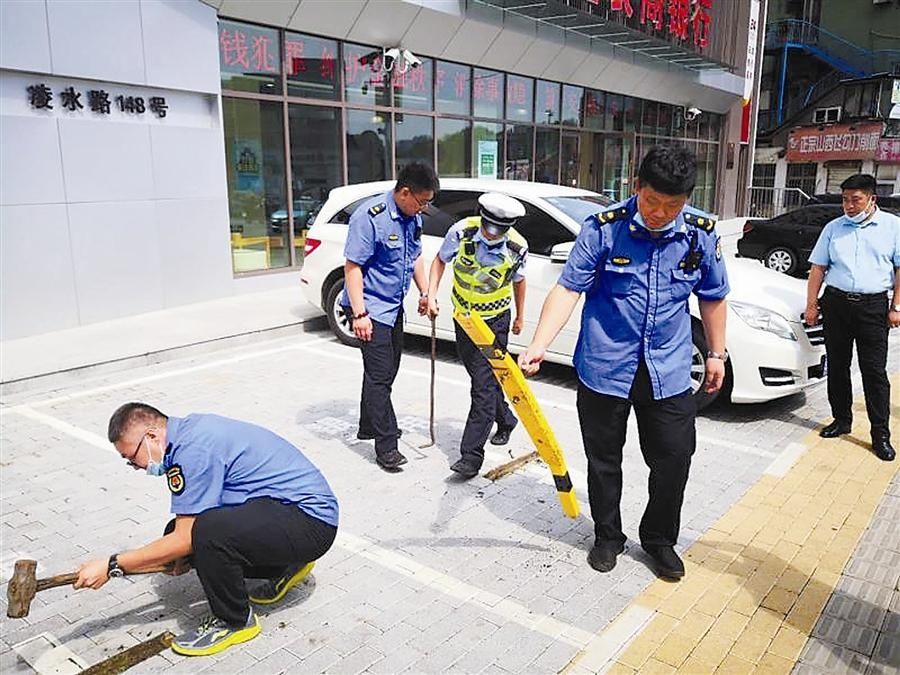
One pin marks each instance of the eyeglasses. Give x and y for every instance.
(137, 449)
(421, 203)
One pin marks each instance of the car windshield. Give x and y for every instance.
(579, 208)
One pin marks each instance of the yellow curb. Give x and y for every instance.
(757, 581)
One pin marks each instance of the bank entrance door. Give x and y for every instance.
(614, 162)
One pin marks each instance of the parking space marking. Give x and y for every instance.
(784, 461)
(401, 564)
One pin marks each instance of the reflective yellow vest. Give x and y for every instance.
(485, 290)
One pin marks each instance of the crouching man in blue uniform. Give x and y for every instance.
(637, 264)
(247, 504)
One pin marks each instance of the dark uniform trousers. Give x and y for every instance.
(487, 402)
(381, 361)
(863, 321)
(258, 539)
(668, 439)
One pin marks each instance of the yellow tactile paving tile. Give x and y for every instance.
(758, 579)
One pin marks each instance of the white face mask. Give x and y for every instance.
(860, 217)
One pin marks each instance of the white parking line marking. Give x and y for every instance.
(453, 587)
(784, 461)
(603, 649)
(88, 437)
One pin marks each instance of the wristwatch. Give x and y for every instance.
(362, 315)
(716, 355)
(113, 571)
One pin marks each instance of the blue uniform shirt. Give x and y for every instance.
(385, 243)
(636, 299)
(859, 258)
(215, 461)
(487, 253)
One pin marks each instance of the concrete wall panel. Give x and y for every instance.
(30, 162)
(180, 45)
(26, 42)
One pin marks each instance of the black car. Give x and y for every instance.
(783, 243)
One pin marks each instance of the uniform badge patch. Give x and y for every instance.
(719, 248)
(621, 260)
(175, 480)
(393, 237)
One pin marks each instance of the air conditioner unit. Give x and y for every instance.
(825, 115)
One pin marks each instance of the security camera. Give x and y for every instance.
(389, 57)
(411, 59)
(692, 113)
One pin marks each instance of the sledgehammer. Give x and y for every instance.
(24, 585)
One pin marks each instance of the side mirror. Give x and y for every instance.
(559, 254)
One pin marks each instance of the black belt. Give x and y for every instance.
(856, 297)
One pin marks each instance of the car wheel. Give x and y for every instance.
(781, 259)
(337, 320)
(698, 368)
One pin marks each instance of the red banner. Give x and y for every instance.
(841, 141)
(888, 151)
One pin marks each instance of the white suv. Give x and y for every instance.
(771, 353)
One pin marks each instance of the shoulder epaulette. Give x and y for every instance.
(609, 216)
(378, 208)
(703, 222)
(469, 232)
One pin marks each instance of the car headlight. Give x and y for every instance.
(763, 319)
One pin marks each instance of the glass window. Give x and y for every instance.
(632, 106)
(546, 156)
(316, 167)
(615, 112)
(454, 88)
(650, 117)
(594, 105)
(572, 105)
(519, 98)
(547, 103)
(541, 230)
(249, 58)
(519, 140)
(414, 88)
(448, 208)
(665, 119)
(368, 146)
(364, 79)
(487, 145)
(487, 93)
(254, 160)
(311, 65)
(415, 139)
(454, 139)
(570, 166)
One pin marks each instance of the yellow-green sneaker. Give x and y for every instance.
(270, 591)
(214, 635)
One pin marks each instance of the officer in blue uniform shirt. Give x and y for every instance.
(487, 257)
(383, 255)
(858, 255)
(247, 504)
(637, 264)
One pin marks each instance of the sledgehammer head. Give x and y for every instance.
(21, 589)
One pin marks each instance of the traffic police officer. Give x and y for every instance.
(858, 255)
(488, 257)
(637, 263)
(383, 255)
(247, 503)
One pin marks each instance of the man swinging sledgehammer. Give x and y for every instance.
(247, 504)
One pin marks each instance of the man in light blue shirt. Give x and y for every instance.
(637, 264)
(383, 255)
(247, 504)
(858, 256)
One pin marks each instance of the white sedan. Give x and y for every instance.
(771, 353)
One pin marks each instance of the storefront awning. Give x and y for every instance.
(604, 28)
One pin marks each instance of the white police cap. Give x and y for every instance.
(499, 209)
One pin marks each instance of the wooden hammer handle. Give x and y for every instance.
(58, 580)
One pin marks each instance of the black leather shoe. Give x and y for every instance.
(883, 449)
(835, 429)
(465, 468)
(391, 460)
(602, 557)
(668, 564)
(369, 436)
(502, 436)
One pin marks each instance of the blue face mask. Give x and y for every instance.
(154, 468)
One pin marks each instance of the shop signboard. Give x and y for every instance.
(837, 142)
(487, 159)
(888, 151)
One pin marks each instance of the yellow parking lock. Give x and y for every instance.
(522, 399)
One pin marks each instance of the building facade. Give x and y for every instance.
(184, 159)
